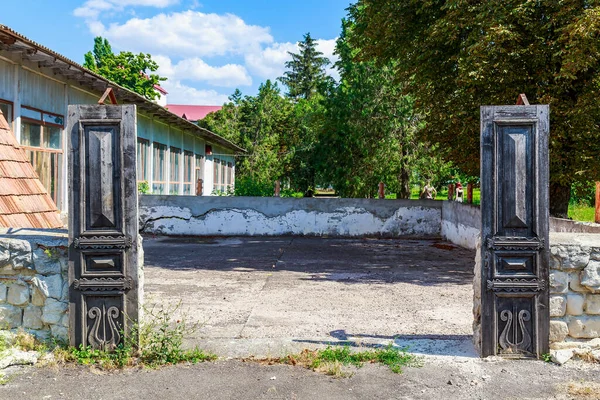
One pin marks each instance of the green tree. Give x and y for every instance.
(369, 134)
(456, 55)
(305, 76)
(256, 123)
(129, 70)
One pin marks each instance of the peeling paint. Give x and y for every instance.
(340, 221)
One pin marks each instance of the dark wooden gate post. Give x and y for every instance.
(515, 315)
(103, 224)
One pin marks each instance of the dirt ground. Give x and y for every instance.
(270, 296)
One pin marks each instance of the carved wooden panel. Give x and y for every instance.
(103, 225)
(514, 207)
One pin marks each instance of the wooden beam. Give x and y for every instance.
(110, 94)
(522, 100)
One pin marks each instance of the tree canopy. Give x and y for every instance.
(305, 76)
(132, 71)
(455, 55)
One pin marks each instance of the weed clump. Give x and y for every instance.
(156, 341)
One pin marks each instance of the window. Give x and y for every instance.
(216, 177)
(199, 169)
(159, 171)
(229, 175)
(143, 147)
(41, 137)
(174, 175)
(7, 109)
(188, 173)
(223, 176)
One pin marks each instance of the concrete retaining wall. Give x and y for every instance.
(34, 292)
(461, 224)
(186, 215)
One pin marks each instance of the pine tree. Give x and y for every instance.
(305, 75)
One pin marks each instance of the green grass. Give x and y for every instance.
(332, 360)
(441, 195)
(580, 212)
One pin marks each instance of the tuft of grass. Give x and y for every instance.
(584, 390)
(160, 342)
(332, 359)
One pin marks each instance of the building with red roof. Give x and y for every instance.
(190, 112)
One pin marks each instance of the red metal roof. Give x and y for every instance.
(24, 201)
(192, 113)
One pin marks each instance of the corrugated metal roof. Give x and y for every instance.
(24, 201)
(11, 40)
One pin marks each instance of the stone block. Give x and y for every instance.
(590, 277)
(571, 257)
(575, 283)
(558, 331)
(39, 292)
(559, 282)
(18, 293)
(53, 285)
(47, 261)
(592, 304)
(60, 333)
(20, 254)
(32, 318)
(53, 311)
(575, 304)
(4, 255)
(65, 320)
(584, 327)
(558, 305)
(3, 291)
(561, 356)
(10, 316)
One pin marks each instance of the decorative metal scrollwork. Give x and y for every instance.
(102, 284)
(509, 338)
(515, 243)
(103, 242)
(104, 333)
(516, 285)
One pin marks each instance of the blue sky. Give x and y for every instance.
(207, 48)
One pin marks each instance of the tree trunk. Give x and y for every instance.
(559, 200)
(404, 184)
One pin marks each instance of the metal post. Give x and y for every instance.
(277, 189)
(381, 191)
(597, 217)
(199, 187)
(470, 193)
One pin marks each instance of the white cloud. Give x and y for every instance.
(195, 69)
(188, 34)
(269, 62)
(182, 94)
(92, 9)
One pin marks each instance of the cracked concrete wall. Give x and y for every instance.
(258, 216)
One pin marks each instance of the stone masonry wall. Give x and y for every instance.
(34, 292)
(574, 288)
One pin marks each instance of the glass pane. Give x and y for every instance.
(7, 111)
(175, 163)
(52, 136)
(27, 113)
(53, 119)
(31, 134)
(158, 188)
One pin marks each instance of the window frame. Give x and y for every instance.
(156, 148)
(142, 149)
(12, 112)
